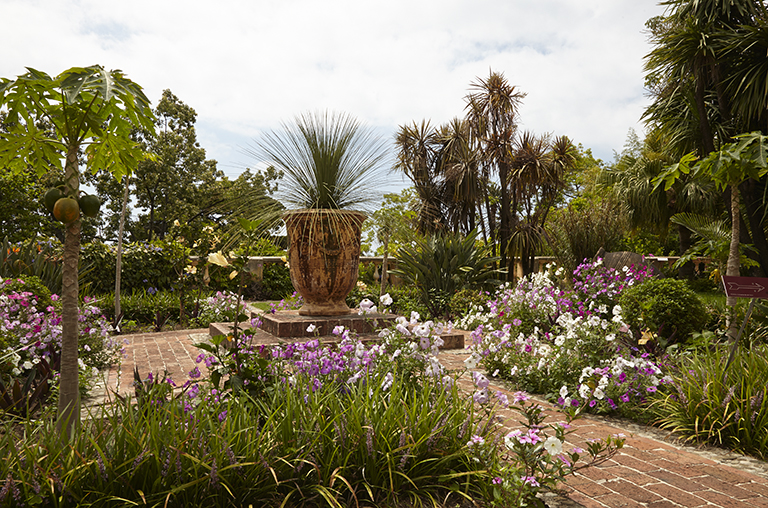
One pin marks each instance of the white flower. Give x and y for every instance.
(512, 438)
(217, 258)
(385, 300)
(415, 317)
(610, 337)
(311, 328)
(584, 391)
(388, 379)
(553, 446)
(472, 361)
(564, 391)
(599, 393)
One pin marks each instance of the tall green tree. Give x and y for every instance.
(537, 181)
(175, 184)
(418, 146)
(744, 159)
(463, 185)
(632, 179)
(90, 109)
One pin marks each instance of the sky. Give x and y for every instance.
(246, 66)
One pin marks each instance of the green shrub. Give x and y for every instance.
(703, 285)
(666, 307)
(406, 299)
(276, 283)
(145, 265)
(142, 306)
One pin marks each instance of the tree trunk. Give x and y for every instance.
(384, 267)
(504, 231)
(119, 257)
(69, 389)
(755, 210)
(687, 270)
(707, 141)
(732, 269)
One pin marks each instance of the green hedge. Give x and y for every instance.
(145, 265)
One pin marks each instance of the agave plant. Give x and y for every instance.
(441, 265)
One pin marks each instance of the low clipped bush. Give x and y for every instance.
(465, 300)
(143, 306)
(666, 307)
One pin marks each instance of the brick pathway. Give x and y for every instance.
(650, 471)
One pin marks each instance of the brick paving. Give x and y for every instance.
(650, 471)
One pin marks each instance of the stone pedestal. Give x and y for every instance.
(290, 326)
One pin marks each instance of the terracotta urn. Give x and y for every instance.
(324, 257)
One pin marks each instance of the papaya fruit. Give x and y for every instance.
(50, 198)
(90, 205)
(66, 210)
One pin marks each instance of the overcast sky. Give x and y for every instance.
(247, 65)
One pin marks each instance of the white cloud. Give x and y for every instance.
(247, 65)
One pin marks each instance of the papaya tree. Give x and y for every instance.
(93, 112)
(744, 159)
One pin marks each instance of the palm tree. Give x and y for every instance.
(710, 59)
(699, 54)
(632, 181)
(492, 110)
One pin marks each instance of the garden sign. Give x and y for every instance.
(743, 287)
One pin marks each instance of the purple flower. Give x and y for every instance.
(481, 396)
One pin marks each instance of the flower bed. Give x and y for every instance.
(306, 423)
(568, 343)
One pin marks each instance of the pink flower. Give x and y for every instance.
(530, 480)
